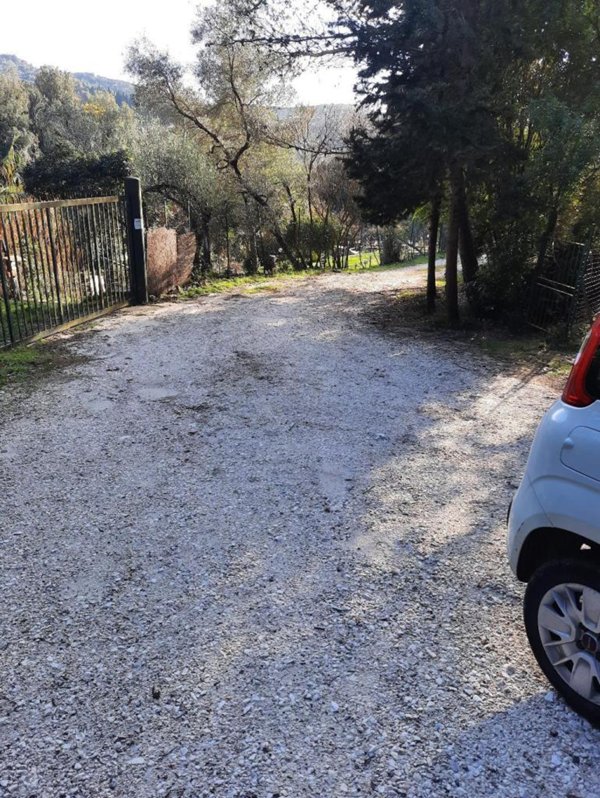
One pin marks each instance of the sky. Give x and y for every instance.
(80, 36)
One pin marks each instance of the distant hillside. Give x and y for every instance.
(25, 71)
(88, 82)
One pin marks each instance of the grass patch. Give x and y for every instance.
(526, 350)
(24, 362)
(259, 283)
(527, 353)
(364, 262)
(249, 283)
(419, 260)
(267, 288)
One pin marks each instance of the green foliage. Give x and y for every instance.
(256, 189)
(65, 174)
(14, 115)
(10, 174)
(86, 82)
(22, 362)
(61, 119)
(16, 137)
(499, 104)
(248, 283)
(57, 143)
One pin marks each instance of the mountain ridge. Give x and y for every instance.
(88, 81)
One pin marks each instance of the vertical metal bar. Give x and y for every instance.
(120, 266)
(77, 259)
(18, 309)
(125, 271)
(45, 271)
(110, 268)
(67, 260)
(16, 244)
(90, 251)
(3, 280)
(121, 243)
(67, 302)
(114, 253)
(88, 277)
(27, 235)
(105, 239)
(128, 269)
(54, 264)
(4, 334)
(96, 255)
(34, 242)
(74, 248)
(98, 241)
(18, 304)
(58, 263)
(8, 288)
(115, 288)
(121, 272)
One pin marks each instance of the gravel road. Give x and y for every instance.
(253, 546)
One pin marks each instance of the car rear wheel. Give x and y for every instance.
(562, 619)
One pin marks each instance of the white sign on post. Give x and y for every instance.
(138, 224)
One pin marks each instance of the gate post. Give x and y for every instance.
(135, 241)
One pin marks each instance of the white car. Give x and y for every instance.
(554, 536)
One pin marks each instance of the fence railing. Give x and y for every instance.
(560, 289)
(61, 262)
(587, 298)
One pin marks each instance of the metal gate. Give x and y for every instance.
(60, 263)
(556, 289)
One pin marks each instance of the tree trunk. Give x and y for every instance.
(200, 226)
(546, 237)
(206, 249)
(227, 246)
(468, 254)
(434, 225)
(452, 254)
(296, 226)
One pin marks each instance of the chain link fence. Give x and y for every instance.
(565, 291)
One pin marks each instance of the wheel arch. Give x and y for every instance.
(550, 543)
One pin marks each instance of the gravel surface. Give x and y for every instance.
(255, 547)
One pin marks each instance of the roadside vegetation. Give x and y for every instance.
(526, 352)
(26, 363)
(476, 132)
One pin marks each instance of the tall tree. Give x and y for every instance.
(231, 107)
(17, 140)
(55, 108)
(430, 73)
(172, 164)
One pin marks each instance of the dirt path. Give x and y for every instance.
(255, 547)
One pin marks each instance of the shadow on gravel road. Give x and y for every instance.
(259, 552)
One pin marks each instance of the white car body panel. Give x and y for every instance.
(561, 485)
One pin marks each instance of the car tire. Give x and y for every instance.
(562, 620)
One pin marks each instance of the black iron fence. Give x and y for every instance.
(61, 262)
(565, 292)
